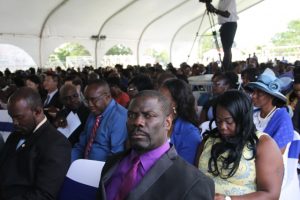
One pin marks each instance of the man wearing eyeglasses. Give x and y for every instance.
(73, 104)
(105, 130)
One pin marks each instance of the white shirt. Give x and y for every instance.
(51, 95)
(230, 6)
(41, 123)
(22, 141)
(261, 123)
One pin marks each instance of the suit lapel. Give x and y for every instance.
(53, 99)
(109, 173)
(153, 175)
(112, 165)
(10, 149)
(34, 136)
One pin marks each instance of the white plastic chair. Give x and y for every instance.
(205, 126)
(6, 125)
(290, 186)
(82, 180)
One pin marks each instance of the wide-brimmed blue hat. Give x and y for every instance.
(269, 83)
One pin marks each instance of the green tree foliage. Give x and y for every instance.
(119, 49)
(159, 56)
(290, 37)
(68, 49)
(207, 42)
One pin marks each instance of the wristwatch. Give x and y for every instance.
(227, 197)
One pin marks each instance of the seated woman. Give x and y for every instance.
(139, 83)
(244, 163)
(184, 135)
(221, 82)
(271, 116)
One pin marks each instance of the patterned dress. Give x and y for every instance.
(244, 179)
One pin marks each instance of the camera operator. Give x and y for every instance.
(227, 18)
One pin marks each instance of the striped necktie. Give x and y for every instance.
(92, 137)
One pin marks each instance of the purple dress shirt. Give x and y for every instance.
(147, 161)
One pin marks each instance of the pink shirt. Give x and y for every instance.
(147, 161)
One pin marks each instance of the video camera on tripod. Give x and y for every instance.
(205, 1)
(209, 6)
(210, 10)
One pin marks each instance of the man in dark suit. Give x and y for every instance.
(72, 103)
(52, 103)
(151, 169)
(36, 157)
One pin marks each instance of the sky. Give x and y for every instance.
(257, 25)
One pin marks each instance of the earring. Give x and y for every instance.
(174, 110)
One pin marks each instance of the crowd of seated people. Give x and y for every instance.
(253, 116)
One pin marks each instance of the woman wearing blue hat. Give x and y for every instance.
(271, 117)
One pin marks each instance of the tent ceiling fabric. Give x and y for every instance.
(40, 26)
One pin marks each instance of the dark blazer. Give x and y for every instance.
(36, 170)
(55, 101)
(1, 142)
(170, 178)
(83, 113)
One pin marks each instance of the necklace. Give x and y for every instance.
(262, 122)
(270, 113)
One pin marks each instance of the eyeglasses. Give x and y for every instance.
(94, 100)
(131, 89)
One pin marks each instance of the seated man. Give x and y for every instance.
(35, 157)
(52, 102)
(151, 169)
(119, 96)
(72, 103)
(105, 129)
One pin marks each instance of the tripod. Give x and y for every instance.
(214, 33)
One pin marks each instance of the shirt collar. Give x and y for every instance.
(108, 107)
(40, 124)
(150, 157)
(52, 94)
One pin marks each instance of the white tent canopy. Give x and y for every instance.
(40, 26)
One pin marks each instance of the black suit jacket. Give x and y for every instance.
(170, 178)
(37, 169)
(83, 113)
(55, 101)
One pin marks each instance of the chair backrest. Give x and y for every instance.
(290, 185)
(6, 125)
(205, 126)
(82, 180)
